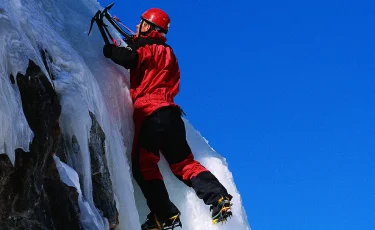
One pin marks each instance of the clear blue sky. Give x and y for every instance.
(285, 91)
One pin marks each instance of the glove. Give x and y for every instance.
(130, 39)
(107, 50)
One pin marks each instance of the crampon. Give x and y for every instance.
(152, 223)
(222, 211)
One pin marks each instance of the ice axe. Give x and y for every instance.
(98, 18)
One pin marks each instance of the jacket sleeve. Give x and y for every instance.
(125, 56)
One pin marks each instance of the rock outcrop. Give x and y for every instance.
(32, 195)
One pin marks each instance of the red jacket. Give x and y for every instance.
(154, 72)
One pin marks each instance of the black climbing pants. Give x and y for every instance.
(164, 131)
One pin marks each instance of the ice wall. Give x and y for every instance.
(86, 81)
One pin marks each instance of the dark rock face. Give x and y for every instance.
(28, 194)
(101, 181)
(32, 195)
(62, 199)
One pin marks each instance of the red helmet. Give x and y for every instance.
(157, 17)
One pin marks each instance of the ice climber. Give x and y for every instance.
(154, 82)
